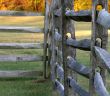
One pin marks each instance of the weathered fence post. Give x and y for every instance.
(98, 33)
(67, 27)
(56, 45)
(46, 31)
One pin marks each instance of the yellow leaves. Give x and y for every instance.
(82, 4)
(3, 7)
(86, 5)
(99, 7)
(27, 5)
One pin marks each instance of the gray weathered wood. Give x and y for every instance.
(46, 32)
(79, 68)
(21, 29)
(59, 53)
(59, 87)
(104, 18)
(99, 85)
(21, 45)
(67, 26)
(60, 72)
(53, 57)
(98, 32)
(18, 13)
(83, 15)
(20, 73)
(14, 58)
(57, 12)
(82, 44)
(58, 37)
(77, 88)
(103, 56)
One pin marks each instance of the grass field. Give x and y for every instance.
(30, 87)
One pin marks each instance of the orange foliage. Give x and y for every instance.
(85, 5)
(38, 5)
(27, 5)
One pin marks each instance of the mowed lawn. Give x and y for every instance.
(30, 87)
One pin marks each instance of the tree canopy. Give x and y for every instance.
(18, 5)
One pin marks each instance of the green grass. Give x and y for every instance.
(23, 87)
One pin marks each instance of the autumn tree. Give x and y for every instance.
(84, 5)
(27, 5)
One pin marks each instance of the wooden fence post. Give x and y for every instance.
(56, 48)
(98, 32)
(46, 29)
(67, 27)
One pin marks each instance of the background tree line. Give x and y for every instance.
(38, 5)
(28, 5)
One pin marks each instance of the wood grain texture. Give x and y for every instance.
(99, 85)
(20, 73)
(46, 32)
(21, 45)
(59, 87)
(75, 86)
(80, 16)
(15, 58)
(60, 72)
(19, 13)
(103, 56)
(21, 29)
(79, 68)
(67, 27)
(98, 32)
(104, 18)
(58, 37)
(81, 44)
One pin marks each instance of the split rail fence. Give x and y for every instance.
(64, 66)
(19, 58)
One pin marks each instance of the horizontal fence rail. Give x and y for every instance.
(15, 58)
(99, 85)
(79, 68)
(60, 72)
(81, 44)
(83, 15)
(21, 45)
(21, 29)
(59, 87)
(104, 18)
(75, 86)
(20, 73)
(19, 13)
(103, 56)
